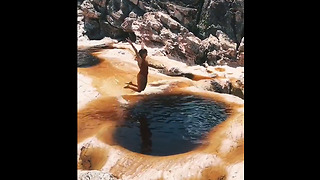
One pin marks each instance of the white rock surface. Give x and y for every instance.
(94, 175)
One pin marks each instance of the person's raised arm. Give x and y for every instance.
(134, 48)
(139, 59)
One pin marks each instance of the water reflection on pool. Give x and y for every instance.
(164, 125)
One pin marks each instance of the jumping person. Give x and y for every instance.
(142, 77)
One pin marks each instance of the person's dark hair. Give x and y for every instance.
(143, 52)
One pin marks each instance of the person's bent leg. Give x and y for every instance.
(142, 82)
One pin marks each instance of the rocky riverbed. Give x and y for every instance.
(191, 51)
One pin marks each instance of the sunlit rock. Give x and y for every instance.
(102, 105)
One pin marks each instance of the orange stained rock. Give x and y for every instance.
(97, 115)
(219, 69)
(208, 161)
(109, 78)
(199, 77)
(98, 119)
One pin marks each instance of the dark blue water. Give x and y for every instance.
(168, 124)
(86, 59)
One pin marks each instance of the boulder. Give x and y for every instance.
(185, 15)
(160, 28)
(224, 15)
(218, 49)
(103, 18)
(170, 25)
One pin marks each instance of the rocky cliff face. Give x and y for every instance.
(194, 47)
(194, 32)
(224, 15)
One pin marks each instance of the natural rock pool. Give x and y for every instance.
(164, 125)
(86, 59)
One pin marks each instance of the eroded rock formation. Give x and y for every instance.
(195, 32)
(102, 98)
(194, 47)
(224, 15)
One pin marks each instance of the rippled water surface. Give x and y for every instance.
(168, 124)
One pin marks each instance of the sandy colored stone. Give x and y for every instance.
(101, 94)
